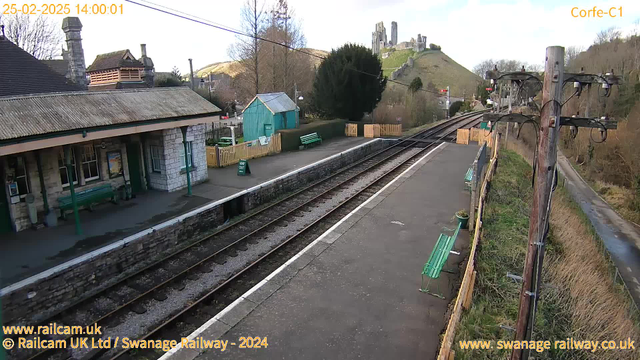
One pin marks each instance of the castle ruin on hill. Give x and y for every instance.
(379, 40)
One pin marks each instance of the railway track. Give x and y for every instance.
(236, 255)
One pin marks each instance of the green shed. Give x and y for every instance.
(268, 113)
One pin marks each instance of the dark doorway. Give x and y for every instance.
(5, 216)
(133, 158)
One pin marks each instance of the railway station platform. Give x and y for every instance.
(31, 252)
(353, 292)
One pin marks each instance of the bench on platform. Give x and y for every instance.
(87, 198)
(468, 177)
(310, 139)
(437, 259)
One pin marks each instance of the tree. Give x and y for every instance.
(571, 53)
(455, 107)
(416, 84)
(349, 83)
(174, 78)
(608, 35)
(247, 49)
(433, 46)
(39, 36)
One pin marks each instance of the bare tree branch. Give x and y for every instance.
(39, 36)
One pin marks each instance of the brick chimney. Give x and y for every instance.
(77, 68)
(149, 71)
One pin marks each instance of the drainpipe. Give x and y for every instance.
(42, 185)
(186, 158)
(67, 157)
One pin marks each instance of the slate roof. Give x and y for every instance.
(60, 66)
(21, 73)
(113, 60)
(275, 102)
(31, 115)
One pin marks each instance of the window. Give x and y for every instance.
(64, 177)
(189, 154)
(157, 157)
(18, 167)
(90, 163)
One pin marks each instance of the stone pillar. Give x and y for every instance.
(149, 71)
(77, 68)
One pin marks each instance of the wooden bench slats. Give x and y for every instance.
(437, 259)
(310, 139)
(87, 197)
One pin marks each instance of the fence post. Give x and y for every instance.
(217, 153)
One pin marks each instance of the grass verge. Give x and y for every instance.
(579, 298)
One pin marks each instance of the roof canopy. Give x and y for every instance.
(275, 102)
(32, 115)
(114, 60)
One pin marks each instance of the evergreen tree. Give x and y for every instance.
(349, 83)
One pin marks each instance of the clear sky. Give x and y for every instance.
(468, 31)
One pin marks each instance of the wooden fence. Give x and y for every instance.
(377, 130)
(224, 156)
(351, 130)
(465, 292)
(462, 136)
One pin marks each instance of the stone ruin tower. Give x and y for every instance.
(378, 38)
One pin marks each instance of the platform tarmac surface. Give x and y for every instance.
(354, 292)
(29, 252)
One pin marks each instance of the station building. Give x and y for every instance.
(55, 140)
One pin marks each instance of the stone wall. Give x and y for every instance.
(31, 299)
(172, 175)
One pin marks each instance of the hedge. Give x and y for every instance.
(327, 129)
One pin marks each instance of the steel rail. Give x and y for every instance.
(299, 233)
(427, 132)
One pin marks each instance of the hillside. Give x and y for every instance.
(232, 68)
(436, 67)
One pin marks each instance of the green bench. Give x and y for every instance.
(310, 139)
(437, 259)
(468, 177)
(87, 198)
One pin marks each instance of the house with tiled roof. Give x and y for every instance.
(121, 70)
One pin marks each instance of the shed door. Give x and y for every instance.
(268, 130)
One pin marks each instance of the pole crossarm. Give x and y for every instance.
(582, 78)
(518, 76)
(583, 122)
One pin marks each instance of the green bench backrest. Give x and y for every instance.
(440, 253)
(86, 194)
(309, 137)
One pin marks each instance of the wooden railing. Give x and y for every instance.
(225, 156)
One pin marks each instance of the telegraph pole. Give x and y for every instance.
(543, 183)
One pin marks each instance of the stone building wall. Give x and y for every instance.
(174, 162)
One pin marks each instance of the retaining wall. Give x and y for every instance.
(37, 297)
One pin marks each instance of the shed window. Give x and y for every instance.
(189, 154)
(64, 177)
(90, 163)
(156, 158)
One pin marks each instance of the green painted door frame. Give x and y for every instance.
(133, 160)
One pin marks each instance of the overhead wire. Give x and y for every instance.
(202, 21)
